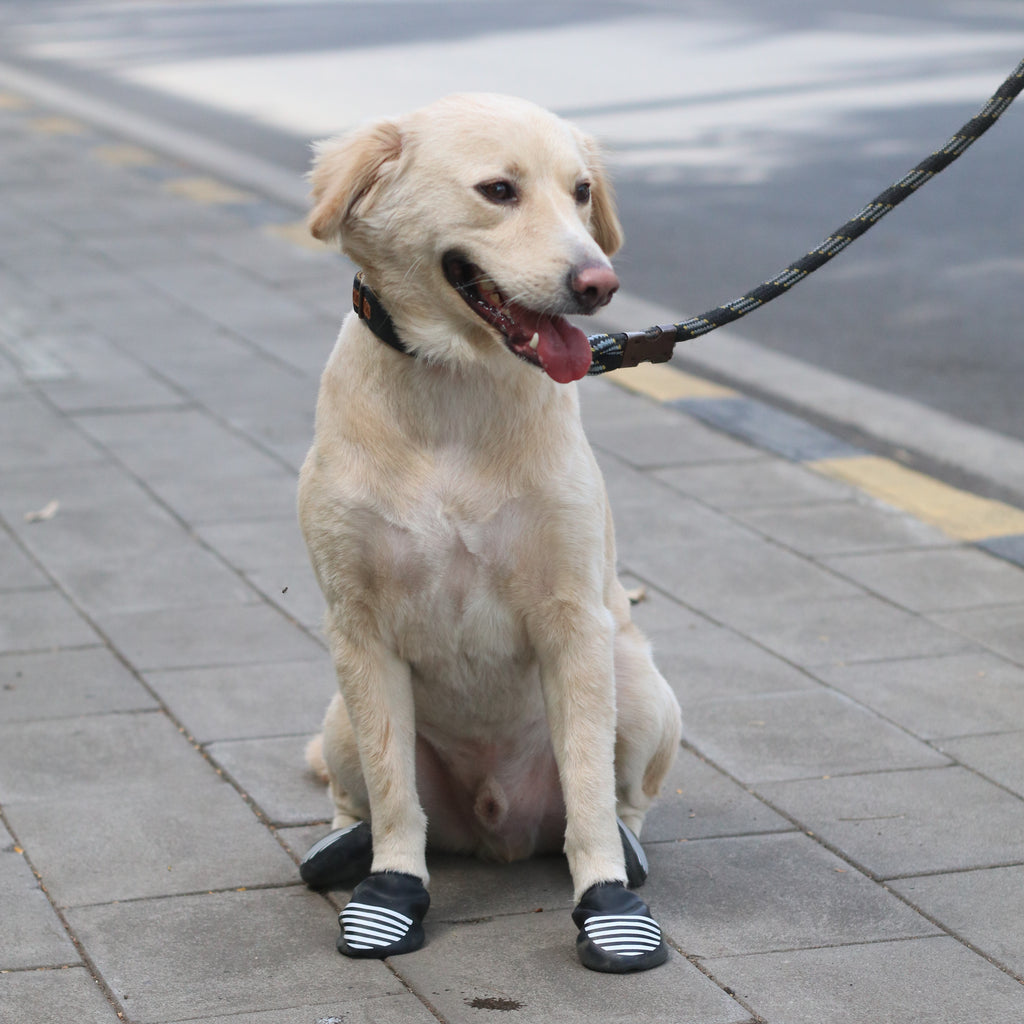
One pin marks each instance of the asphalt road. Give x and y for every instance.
(740, 133)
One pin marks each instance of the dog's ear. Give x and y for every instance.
(345, 170)
(604, 224)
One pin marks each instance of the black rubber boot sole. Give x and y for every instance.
(384, 917)
(617, 933)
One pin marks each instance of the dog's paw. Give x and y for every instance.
(340, 859)
(617, 932)
(636, 860)
(384, 917)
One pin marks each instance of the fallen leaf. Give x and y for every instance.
(48, 511)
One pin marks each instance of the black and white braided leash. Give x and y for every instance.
(654, 345)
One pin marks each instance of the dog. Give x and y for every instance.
(494, 696)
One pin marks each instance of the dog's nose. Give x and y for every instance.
(593, 285)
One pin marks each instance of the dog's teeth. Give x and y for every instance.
(489, 291)
(535, 342)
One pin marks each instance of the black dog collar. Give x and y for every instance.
(374, 315)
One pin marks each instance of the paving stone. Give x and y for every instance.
(91, 396)
(102, 514)
(984, 908)
(539, 977)
(273, 773)
(467, 889)
(654, 436)
(295, 591)
(769, 428)
(67, 684)
(759, 483)
(839, 528)
(32, 935)
(932, 697)
(179, 575)
(393, 1009)
(697, 801)
(999, 629)
(905, 823)
(32, 435)
(837, 631)
(703, 662)
(38, 620)
(265, 257)
(652, 520)
(1009, 548)
(666, 622)
(259, 543)
(936, 580)
(719, 897)
(17, 570)
(112, 547)
(201, 500)
(128, 809)
(31, 997)
(165, 445)
(724, 574)
(204, 637)
(800, 735)
(223, 954)
(248, 701)
(998, 757)
(299, 839)
(932, 979)
(323, 291)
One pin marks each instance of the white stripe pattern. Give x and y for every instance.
(626, 935)
(369, 927)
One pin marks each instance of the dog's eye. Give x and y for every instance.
(582, 193)
(498, 191)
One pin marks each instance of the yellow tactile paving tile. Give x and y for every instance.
(666, 383)
(125, 155)
(208, 191)
(57, 126)
(296, 233)
(957, 513)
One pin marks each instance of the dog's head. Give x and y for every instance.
(481, 222)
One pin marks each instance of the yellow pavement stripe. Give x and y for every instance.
(57, 126)
(296, 233)
(957, 513)
(666, 383)
(10, 101)
(208, 191)
(125, 155)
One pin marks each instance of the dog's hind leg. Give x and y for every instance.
(342, 858)
(341, 763)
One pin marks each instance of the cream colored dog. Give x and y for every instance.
(494, 696)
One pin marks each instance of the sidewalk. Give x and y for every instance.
(842, 839)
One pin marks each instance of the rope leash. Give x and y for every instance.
(654, 345)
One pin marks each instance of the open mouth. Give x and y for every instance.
(544, 339)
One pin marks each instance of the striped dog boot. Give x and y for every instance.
(617, 932)
(384, 917)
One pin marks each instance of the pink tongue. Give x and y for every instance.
(563, 350)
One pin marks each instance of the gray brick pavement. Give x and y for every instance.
(841, 840)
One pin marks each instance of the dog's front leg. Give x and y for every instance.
(617, 933)
(384, 916)
(576, 665)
